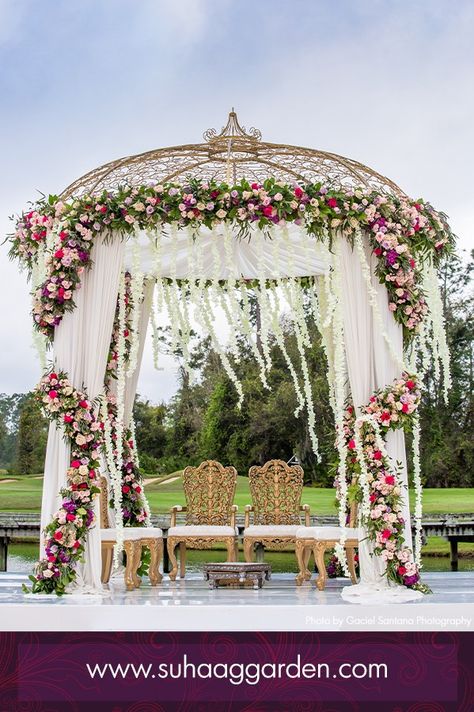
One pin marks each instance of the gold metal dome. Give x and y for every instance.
(229, 156)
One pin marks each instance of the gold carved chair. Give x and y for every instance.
(318, 540)
(276, 490)
(210, 513)
(135, 538)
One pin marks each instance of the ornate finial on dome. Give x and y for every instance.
(231, 130)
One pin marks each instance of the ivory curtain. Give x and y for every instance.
(370, 366)
(181, 254)
(81, 346)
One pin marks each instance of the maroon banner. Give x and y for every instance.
(327, 672)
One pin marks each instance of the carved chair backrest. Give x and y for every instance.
(276, 490)
(104, 503)
(209, 490)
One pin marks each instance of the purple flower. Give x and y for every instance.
(391, 257)
(411, 580)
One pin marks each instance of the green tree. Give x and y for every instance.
(32, 437)
(447, 447)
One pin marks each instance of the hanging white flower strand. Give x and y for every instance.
(245, 320)
(157, 298)
(154, 328)
(173, 320)
(339, 397)
(280, 339)
(116, 474)
(136, 296)
(438, 339)
(136, 462)
(204, 315)
(418, 490)
(297, 314)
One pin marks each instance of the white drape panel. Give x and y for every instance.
(81, 346)
(131, 382)
(303, 252)
(371, 366)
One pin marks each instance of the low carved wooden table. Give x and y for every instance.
(233, 573)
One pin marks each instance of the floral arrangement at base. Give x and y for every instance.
(400, 231)
(376, 478)
(65, 535)
(334, 568)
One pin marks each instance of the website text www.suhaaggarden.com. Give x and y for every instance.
(238, 673)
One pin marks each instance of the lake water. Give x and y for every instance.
(21, 558)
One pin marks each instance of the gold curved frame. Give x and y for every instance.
(229, 156)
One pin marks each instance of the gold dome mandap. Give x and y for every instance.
(229, 156)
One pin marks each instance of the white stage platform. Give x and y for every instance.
(190, 605)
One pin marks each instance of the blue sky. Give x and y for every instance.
(86, 81)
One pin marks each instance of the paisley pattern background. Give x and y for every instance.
(45, 672)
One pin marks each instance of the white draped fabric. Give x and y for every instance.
(132, 380)
(370, 366)
(81, 346)
(181, 255)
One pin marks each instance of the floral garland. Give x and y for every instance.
(399, 231)
(390, 408)
(66, 533)
(134, 506)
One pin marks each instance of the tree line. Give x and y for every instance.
(202, 420)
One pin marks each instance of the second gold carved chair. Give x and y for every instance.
(210, 513)
(276, 490)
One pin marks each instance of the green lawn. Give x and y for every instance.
(25, 495)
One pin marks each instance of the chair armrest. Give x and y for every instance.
(174, 510)
(305, 508)
(233, 510)
(248, 509)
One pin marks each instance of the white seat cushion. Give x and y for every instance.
(326, 533)
(132, 533)
(272, 530)
(202, 530)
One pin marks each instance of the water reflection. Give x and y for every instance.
(21, 558)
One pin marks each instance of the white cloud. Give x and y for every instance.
(391, 90)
